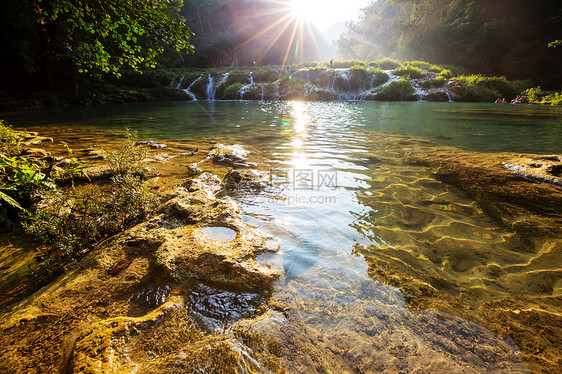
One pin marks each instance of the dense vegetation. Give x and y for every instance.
(50, 43)
(513, 38)
(58, 205)
(87, 52)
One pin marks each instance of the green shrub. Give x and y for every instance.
(238, 76)
(264, 74)
(531, 95)
(425, 66)
(346, 64)
(379, 77)
(536, 96)
(412, 71)
(10, 140)
(358, 77)
(455, 70)
(446, 73)
(472, 93)
(434, 83)
(386, 64)
(291, 89)
(231, 91)
(494, 86)
(72, 221)
(128, 158)
(320, 66)
(400, 90)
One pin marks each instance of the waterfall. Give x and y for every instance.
(190, 94)
(325, 84)
(175, 85)
(188, 89)
(277, 83)
(422, 95)
(243, 90)
(391, 78)
(213, 84)
(210, 86)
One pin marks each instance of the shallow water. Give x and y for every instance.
(219, 234)
(346, 201)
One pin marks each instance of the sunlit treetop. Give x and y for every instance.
(104, 36)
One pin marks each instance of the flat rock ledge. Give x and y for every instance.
(186, 252)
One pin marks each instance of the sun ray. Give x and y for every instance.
(289, 44)
(270, 27)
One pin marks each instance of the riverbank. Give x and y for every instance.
(381, 80)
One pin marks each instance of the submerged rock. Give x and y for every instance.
(515, 190)
(100, 348)
(544, 169)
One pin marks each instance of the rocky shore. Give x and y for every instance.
(186, 290)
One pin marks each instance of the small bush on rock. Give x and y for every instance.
(127, 159)
(72, 221)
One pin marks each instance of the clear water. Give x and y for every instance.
(347, 198)
(478, 127)
(219, 234)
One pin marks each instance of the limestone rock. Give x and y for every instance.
(230, 154)
(246, 179)
(186, 253)
(505, 186)
(101, 349)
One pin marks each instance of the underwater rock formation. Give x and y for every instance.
(525, 199)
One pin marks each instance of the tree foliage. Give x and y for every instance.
(47, 43)
(500, 37)
(103, 36)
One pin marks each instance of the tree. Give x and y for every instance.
(501, 37)
(104, 36)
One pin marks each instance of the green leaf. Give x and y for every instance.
(10, 201)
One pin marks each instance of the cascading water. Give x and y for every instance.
(187, 90)
(277, 83)
(177, 85)
(210, 88)
(391, 78)
(422, 95)
(329, 84)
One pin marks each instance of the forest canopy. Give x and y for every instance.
(54, 39)
(500, 37)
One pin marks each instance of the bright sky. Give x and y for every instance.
(323, 13)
